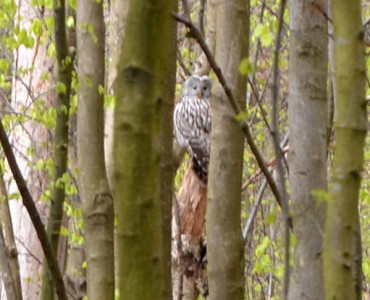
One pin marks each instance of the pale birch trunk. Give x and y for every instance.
(97, 200)
(224, 238)
(307, 144)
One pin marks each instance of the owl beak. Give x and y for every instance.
(200, 95)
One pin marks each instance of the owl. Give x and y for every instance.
(192, 122)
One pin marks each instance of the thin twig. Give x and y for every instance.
(254, 210)
(321, 10)
(182, 64)
(29, 252)
(278, 153)
(259, 198)
(263, 111)
(196, 34)
(271, 163)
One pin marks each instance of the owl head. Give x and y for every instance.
(206, 86)
(192, 87)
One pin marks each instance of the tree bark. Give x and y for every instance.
(144, 94)
(97, 200)
(61, 139)
(188, 239)
(116, 28)
(202, 66)
(5, 269)
(350, 129)
(224, 237)
(13, 282)
(307, 144)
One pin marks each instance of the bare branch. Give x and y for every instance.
(279, 156)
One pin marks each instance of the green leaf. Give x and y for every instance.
(271, 218)
(4, 64)
(49, 4)
(246, 67)
(73, 4)
(64, 231)
(61, 88)
(260, 249)
(51, 50)
(14, 196)
(242, 117)
(25, 39)
(109, 101)
(101, 89)
(46, 195)
(49, 21)
(37, 27)
(70, 22)
(40, 164)
(262, 32)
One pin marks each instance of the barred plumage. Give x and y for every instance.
(192, 122)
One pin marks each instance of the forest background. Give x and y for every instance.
(73, 74)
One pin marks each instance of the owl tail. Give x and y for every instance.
(200, 169)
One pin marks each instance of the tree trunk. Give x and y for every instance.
(116, 28)
(191, 213)
(61, 140)
(5, 269)
(202, 66)
(12, 283)
(167, 88)
(350, 129)
(97, 200)
(144, 94)
(307, 141)
(224, 237)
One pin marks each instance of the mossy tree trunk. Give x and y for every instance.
(144, 93)
(97, 200)
(224, 237)
(63, 89)
(350, 131)
(307, 140)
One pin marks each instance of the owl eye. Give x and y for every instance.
(195, 88)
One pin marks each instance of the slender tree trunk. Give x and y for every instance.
(307, 144)
(5, 269)
(202, 66)
(145, 73)
(167, 89)
(188, 239)
(350, 131)
(116, 28)
(96, 196)
(224, 237)
(61, 139)
(13, 282)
